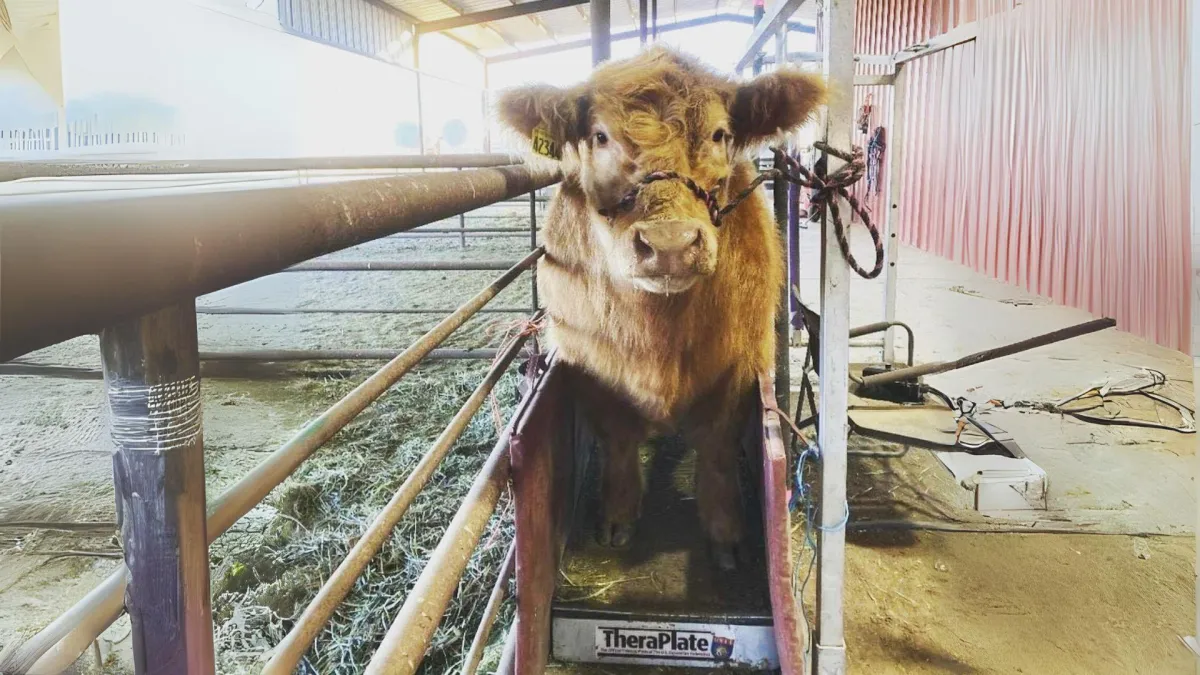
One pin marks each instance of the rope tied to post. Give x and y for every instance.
(511, 332)
(825, 191)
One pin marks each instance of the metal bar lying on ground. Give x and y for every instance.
(55, 252)
(57, 646)
(61, 169)
(340, 354)
(988, 354)
(404, 646)
(499, 590)
(396, 266)
(298, 640)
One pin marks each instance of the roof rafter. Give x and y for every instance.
(486, 16)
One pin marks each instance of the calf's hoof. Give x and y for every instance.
(725, 557)
(614, 534)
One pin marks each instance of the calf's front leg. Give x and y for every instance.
(620, 431)
(621, 487)
(715, 432)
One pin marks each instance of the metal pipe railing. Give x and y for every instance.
(82, 168)
(58, 645)
(293, 647)
(74, 266)
(469, 230)
(499, 590)
(340, 354)
(283, 311)
(404, 646)
(397, 266)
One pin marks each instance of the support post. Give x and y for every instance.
(783, 370)
(152, 377)
(760, 11)
(654, 20)
(895, 150)
(643, 19)
(835, 352)
(601, 21)
(416, 47)
(793, 262)
(1193, 28)
(484, 96)
(533, 244)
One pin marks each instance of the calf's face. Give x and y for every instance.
(659, 111)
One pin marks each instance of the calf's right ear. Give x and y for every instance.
(539, 111)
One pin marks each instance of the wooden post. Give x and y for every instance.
(835, 355)
(152, 378)
(895, 150)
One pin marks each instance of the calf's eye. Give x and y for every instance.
(718, 135)
(601, 138)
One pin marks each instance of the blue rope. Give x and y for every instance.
(802, 498)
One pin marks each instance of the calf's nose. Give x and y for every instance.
(666, 247)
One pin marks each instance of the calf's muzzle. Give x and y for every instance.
(667, 248)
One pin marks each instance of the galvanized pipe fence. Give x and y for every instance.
(147, 321)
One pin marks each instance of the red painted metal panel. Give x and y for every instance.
(541, 463)
(1049, 153)
(790, 635)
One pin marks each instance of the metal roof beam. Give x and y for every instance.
(522, 9)
(775, 18)
(454, 6)
(412, 21)
(793, 26)
(798, 57)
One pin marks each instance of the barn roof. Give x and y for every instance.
(510, 36)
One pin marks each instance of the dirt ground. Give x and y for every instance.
(1018, 603)
(916, 602)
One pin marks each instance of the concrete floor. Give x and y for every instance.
(938, 602)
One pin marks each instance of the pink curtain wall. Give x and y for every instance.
(1052, 152)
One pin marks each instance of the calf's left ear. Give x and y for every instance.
(552, 111)
(774, 104)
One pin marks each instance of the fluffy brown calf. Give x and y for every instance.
(671, 316)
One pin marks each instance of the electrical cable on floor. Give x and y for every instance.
(965, 409)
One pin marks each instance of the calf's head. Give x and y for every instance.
(658, 112)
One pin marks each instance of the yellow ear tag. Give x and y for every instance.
(544, 144)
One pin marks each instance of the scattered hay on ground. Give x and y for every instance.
(264, 576)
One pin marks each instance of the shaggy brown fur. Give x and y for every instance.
(665, 359)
